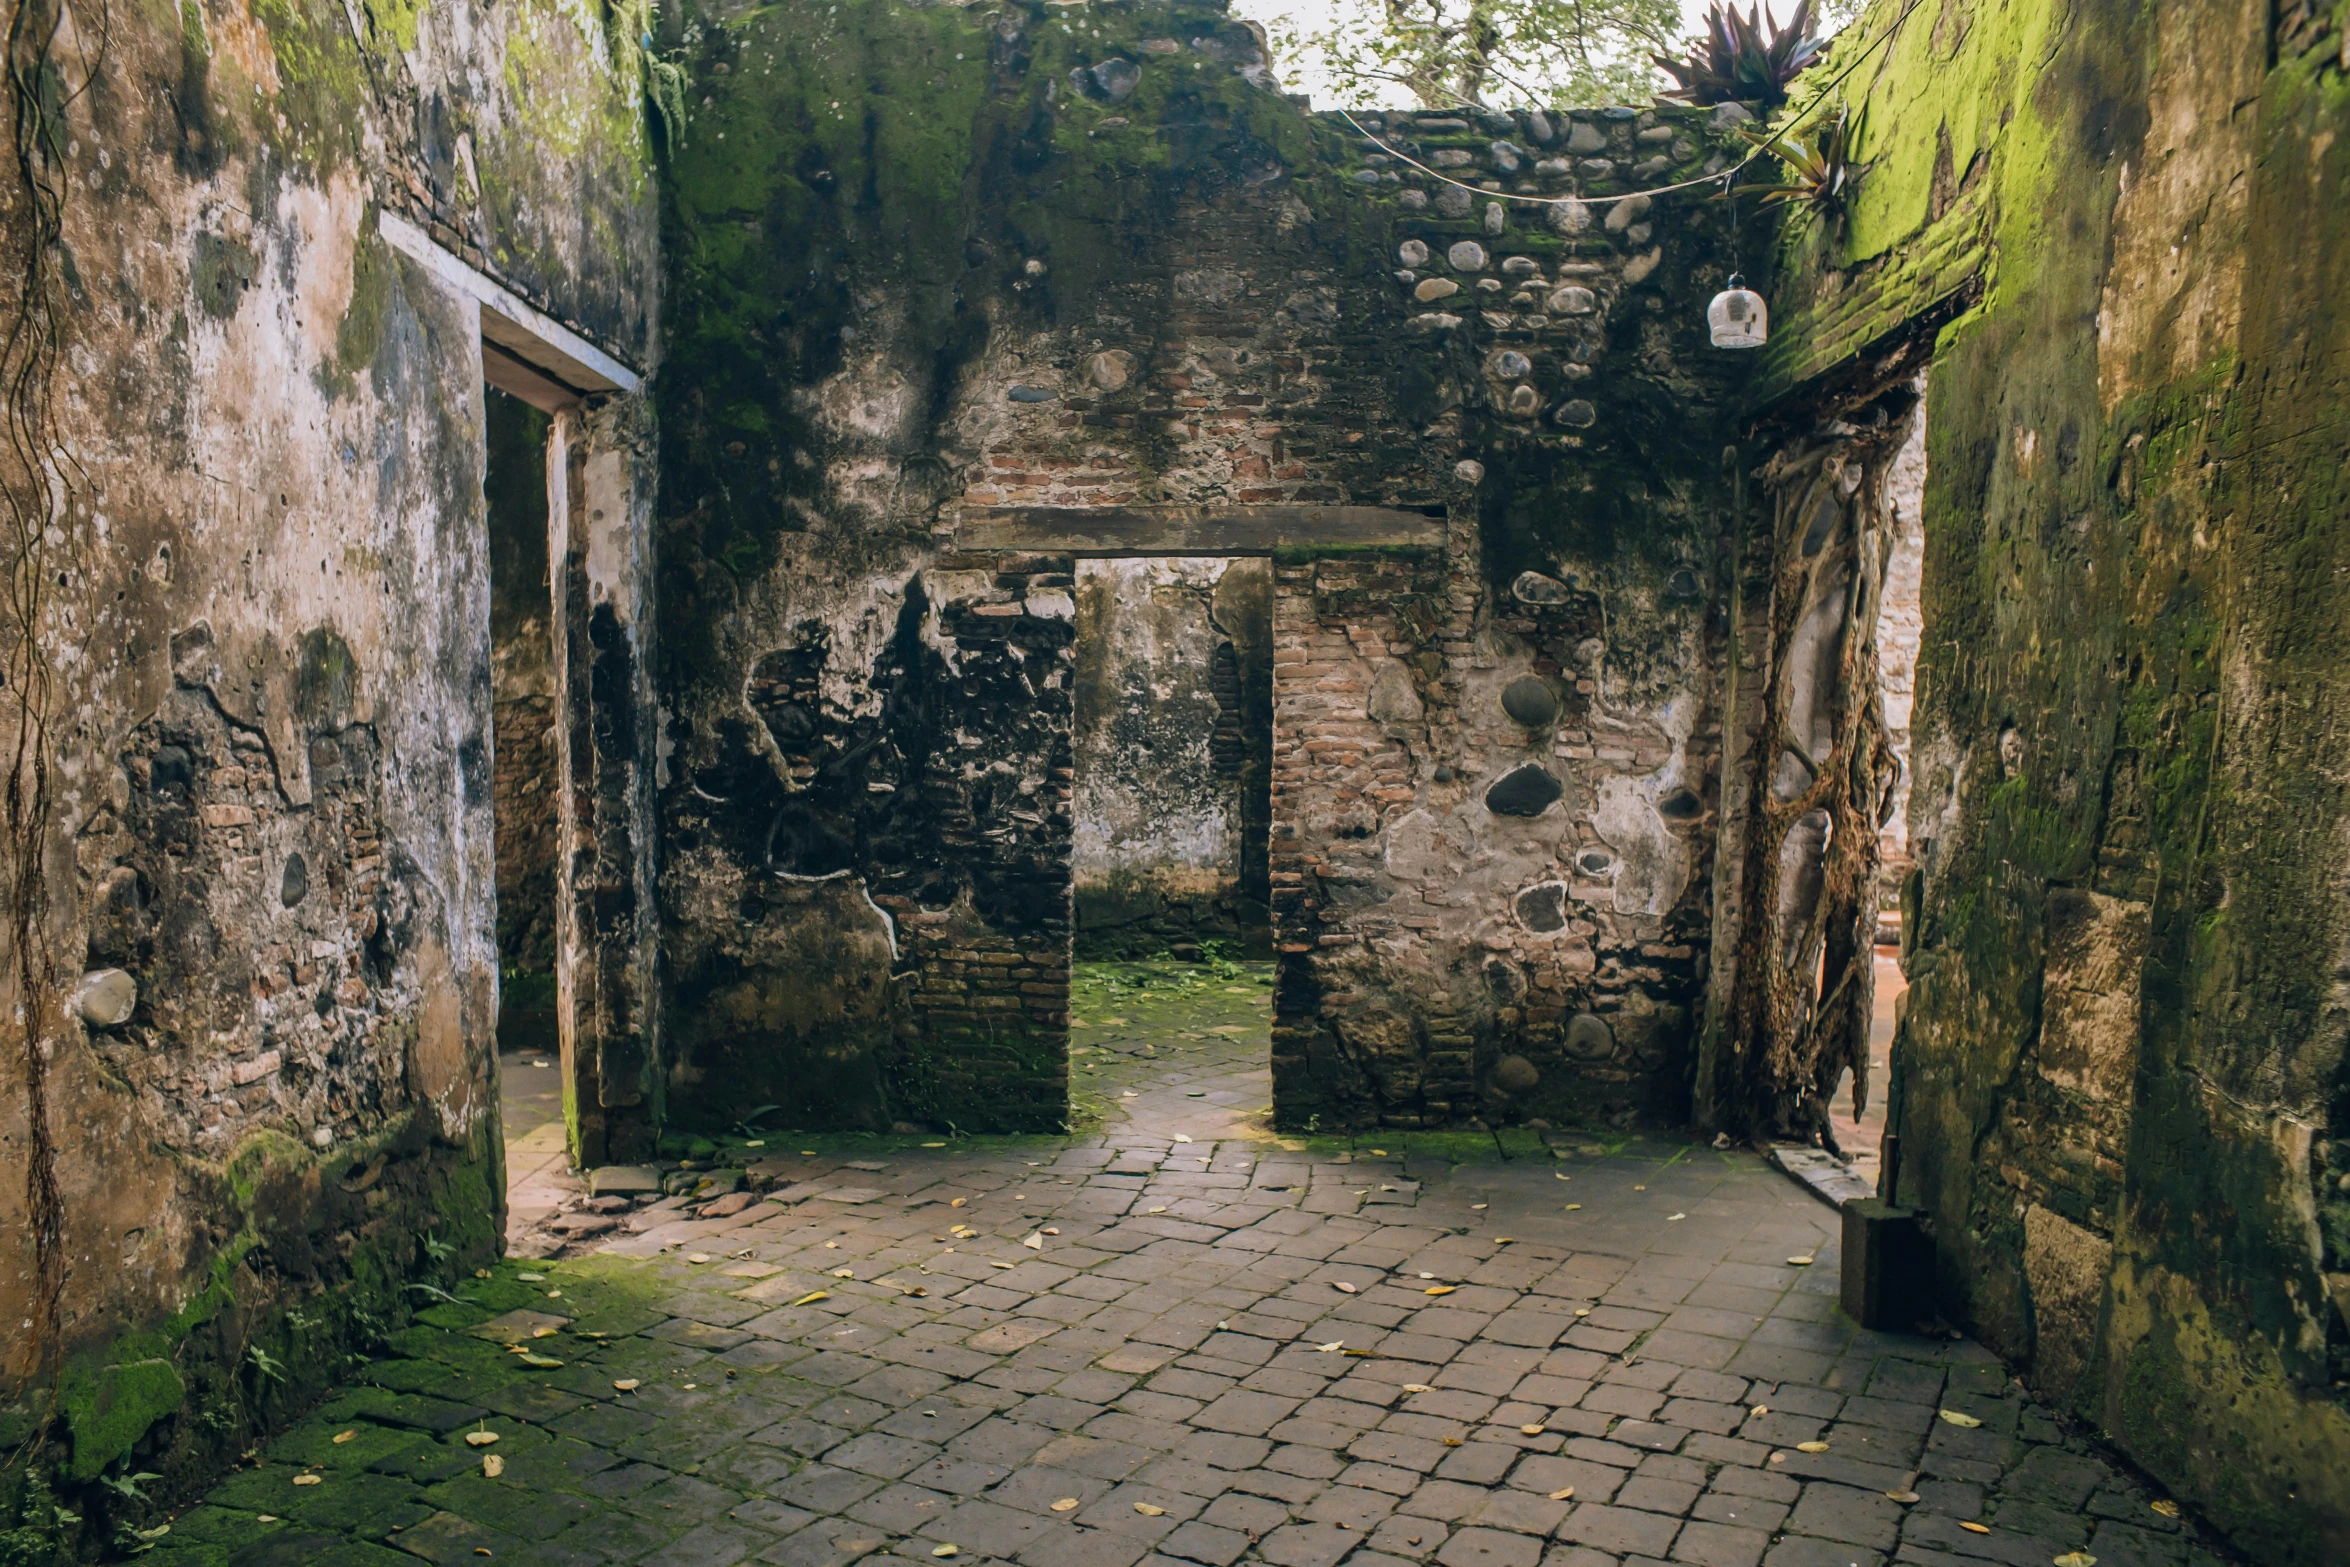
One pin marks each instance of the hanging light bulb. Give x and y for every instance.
(1738, 316)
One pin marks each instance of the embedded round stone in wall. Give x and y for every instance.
(1572, 300)
(1569, 216)
(293, 884)
(1453, 202)
(1523, 791)
(1532, 587)
(1543, 909)
(1589, 1039)
(1682, 584)
(1117, 79)
(1111, 370)
(1393, 700)
(1466, 256)
(1496, 220)
(1524, 402)
(1468, 470)
(1529, 700)
(1577, 413)
(1412, 200)
(1515, 1074)
(1508, 364)
(106, 998)
(1435, 288)
(1412, 253)
(1030, 394)
(1595, 862)
(1682, 805)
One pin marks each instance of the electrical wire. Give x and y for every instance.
(1721, 177)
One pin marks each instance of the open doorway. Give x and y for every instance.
(1172, 739)
(524, 785)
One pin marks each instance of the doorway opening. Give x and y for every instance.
(525, 782)
(1172, 980)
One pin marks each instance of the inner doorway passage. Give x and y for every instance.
(525, 779)
(1173, 744)
(1172, 739)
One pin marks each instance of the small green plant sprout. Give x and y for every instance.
(127, 1486)
(271, 1368)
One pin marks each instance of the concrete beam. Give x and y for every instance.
(558, 354)
(1191, 530)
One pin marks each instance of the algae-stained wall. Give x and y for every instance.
(923, 260)
(2120, 1088)
(267, 617)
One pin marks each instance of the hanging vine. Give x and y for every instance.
(1823, 774)
(38, 481)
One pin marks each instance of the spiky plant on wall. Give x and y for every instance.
(1817, 154)
(1747, 59)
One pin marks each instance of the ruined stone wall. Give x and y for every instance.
(929, 261)
(2119, 1088)
(1172, 745)
(268, 621)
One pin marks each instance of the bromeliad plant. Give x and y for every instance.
(1817, 155)
(1739, 64)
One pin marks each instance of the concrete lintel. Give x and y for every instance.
(538, 340)
(1191, 530)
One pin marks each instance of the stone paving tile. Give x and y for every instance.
(1172, 1376)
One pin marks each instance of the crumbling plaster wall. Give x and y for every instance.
(925, 260)
(270, 633)
(1172, 746)
(2120, 1086)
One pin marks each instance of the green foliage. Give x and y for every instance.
(1739, 63)
(1817, 154)
(108, 1409)
(1455, 53)
(34, 1530)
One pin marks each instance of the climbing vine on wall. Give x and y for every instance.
(52, 54)
(1822, 775)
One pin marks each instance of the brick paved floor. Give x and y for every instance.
(1181, 1342)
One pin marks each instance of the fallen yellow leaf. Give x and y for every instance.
(1670, 1217)
(1503, 1240)
(843, 1273)
(1417, 1387)
(1963, 1421)
(2076, 1559)
(542, 1332)
(812, 1297)
(1454, 1441)
(480, 1438)
(946, 1550)
(543, 1362)
(1976, 1528)
(1903, 1497)
(1033, 1241)
(1148, 1511)
(1571, 1207)
(2166, 1507)
(1179, 1137)
(1760, 1409)
(999, 1264)
(344, 1436)
(697, 1256)
(1342, 1286)
(1331, 1348)
(1799, 1262)
(1049, 1230)
(1639, 1188)
(1531, 1430)
(1582, 1311)
(958, 1202)
(1562, 1493)
(1067, 1504)
(1440, 1289)
(1811, 1447)
(308, 1480)
(492, 1466)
